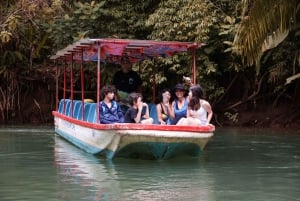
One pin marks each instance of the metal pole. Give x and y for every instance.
(65, 84)
(98, 83)
(154, 84)
(82, 86)
(72, 81)
(194, 66)
(56, 86)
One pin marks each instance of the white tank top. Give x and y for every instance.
(200, 114)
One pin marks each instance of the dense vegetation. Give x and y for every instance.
(249, 66)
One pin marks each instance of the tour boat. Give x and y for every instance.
(78, 121)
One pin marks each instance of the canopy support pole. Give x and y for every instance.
(82, 86)
(65, 84)
(194, 66)
(56, 85)
(98, 83)
(72, 89)
(153, 84)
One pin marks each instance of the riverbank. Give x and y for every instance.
(33, 102)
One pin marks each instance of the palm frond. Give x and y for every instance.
(264, 21)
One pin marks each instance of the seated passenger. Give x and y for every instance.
(163, 108)
(179, 105)
(139, 111)
(199, 110)
(110, 111)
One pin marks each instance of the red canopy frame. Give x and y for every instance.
(112, 50)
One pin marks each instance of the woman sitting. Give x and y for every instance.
(163, 108)
(199, 110)
(179, 105)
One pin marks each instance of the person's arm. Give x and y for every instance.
(120, 114)
(101, 114)
(166, 103)
(159, 114)
(104, 121)
(188, 112)
(137, 119)
(171, 110)
(146, 115)
(209, 111)
(188, 81)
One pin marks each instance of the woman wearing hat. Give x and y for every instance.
(179, 105)
(199, 110)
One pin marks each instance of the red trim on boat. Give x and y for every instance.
(133, 126)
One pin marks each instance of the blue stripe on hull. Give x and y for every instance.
(88, 148)
(158, 150)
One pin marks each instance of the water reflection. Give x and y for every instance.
(96, 177)
(125, 179)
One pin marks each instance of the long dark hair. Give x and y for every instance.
(197, 94)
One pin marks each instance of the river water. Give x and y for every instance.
(236, 164)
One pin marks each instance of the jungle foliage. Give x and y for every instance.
(251, 49)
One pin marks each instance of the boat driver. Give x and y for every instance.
(126, 80)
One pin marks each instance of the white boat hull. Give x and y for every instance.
(132, 140)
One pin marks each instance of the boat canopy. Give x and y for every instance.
(112, 50)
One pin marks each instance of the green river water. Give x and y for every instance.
(236, 164)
